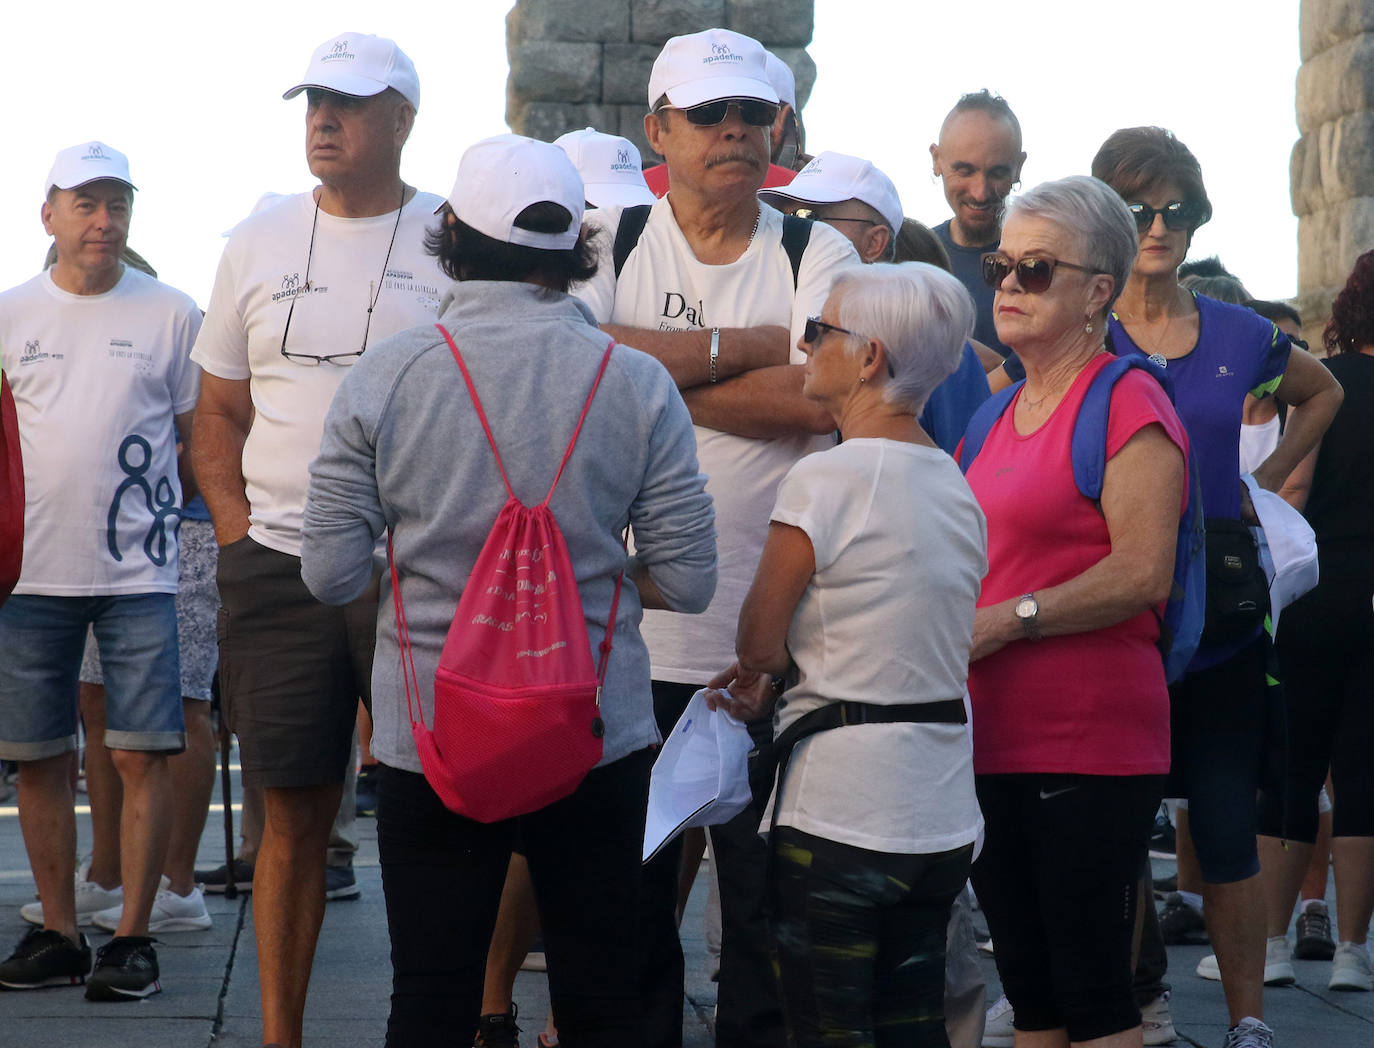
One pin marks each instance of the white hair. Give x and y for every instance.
(1092, 211)
(921, 314)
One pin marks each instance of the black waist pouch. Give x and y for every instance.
(1237, 591)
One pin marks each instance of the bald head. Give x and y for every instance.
(978, 159)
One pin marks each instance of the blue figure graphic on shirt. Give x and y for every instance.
(161, 504)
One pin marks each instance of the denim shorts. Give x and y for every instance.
(197, 604)
(41, 639)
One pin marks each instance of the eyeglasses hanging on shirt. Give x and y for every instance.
(374, 292)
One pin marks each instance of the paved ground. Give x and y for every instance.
(210, 996)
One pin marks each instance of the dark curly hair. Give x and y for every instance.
(1351, 326)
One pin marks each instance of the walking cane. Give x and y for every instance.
(231, 889)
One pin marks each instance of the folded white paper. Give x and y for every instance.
(701, 777)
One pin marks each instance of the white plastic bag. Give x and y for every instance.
(701, 777)
(1287, 548)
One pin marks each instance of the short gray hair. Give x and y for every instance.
(1093, 212)
(921, 314)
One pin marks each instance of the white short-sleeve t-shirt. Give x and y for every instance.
(97, 380)
(262, 270)
(901, 550)
(663, 286)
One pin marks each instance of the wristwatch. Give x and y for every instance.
(1028, 611)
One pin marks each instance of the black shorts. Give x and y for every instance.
(1219, 728)
(1058, 880)
(291, 669)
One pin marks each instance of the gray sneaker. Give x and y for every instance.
(339, 883)
(1314, 933)
(1249, 1033)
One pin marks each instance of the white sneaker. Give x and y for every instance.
(997, 1027)
(1157, 1021)
(1249, 1033)
(1351, 968)
(91, 898)
(1278, 964)
(171, 912)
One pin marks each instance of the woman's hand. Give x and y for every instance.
(991, 630)
(746, 695)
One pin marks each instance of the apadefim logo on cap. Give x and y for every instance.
(94, 152)
(340, 51)
(721, 53)
(622, 161)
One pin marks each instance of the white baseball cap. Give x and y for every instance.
(706, 66)
(88, 162)
(360, 64)
(499, 177)
(833, 177)
(781, 77)
(610, 166)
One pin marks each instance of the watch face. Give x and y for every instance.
(1026, 607)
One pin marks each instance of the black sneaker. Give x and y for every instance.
(1164, 885)
(365, 794)
(46, 958)
(339, 883)
(1180, 924)
(497, 1030)
(213, 881)
(125, 970)
(1162, 838)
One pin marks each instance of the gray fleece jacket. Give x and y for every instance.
(403, 449)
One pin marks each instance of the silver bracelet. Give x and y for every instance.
(715, 351)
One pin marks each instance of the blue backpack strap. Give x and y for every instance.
(1089, 447)
(982, 422)
(627, 234)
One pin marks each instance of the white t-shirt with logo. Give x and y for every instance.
(262, 270)
(97, 380)
(887, 618)
(664, 286)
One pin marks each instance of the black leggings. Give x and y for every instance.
(1059, 882)
(1326, 651)
(861, 942)
(443, 873)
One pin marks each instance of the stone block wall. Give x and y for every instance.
(580, 63)
(1331, 172)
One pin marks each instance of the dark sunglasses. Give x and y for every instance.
(1034, 274)
(752, 111)
(815, 215)
(815, 330)
(1178, 215)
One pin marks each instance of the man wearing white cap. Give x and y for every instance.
(850, 194)
(716, 287)
(303, 289)
(98, 356)
(786, 139)
(610, 167)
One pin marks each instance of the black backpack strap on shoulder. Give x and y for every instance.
(796, 234)
(627, 234)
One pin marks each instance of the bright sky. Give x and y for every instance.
(192, 92)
